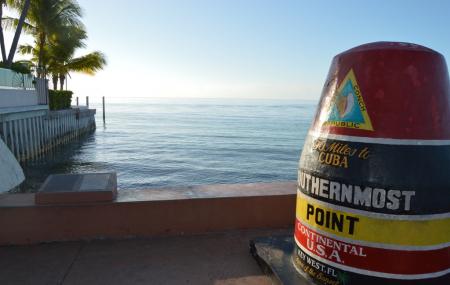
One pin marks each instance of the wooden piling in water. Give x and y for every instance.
(103, 101)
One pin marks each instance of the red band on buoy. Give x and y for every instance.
(371, 258)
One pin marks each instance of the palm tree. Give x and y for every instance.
(61, 47)
(59, 55)
(58, 33)
(45, 19)
(12, 51)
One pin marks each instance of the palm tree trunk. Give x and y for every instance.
(2, 45)
(15, 41)
(55, 81)
(2, 38)
(62, 78)
(40, 69)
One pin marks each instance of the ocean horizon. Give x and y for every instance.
(175, 142)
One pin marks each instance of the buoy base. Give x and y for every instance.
(274, 254)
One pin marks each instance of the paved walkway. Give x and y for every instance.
(219, 258)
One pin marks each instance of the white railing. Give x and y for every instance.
(13, 80)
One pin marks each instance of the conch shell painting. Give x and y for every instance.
(345, 104)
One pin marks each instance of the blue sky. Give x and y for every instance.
(242, 48)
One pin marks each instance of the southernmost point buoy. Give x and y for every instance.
(373, 198)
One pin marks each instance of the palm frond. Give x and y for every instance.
(10, 23)
(88, 64)
(15, 4)
(68, 13)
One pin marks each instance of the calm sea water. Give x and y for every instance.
(180, 142)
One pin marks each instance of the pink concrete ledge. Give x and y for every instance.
(146, 213)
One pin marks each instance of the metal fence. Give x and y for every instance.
(14, 80)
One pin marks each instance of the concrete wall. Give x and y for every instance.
(151, 212)
(17, 98)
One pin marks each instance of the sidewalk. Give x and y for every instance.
(217, 258)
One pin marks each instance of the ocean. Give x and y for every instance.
(157, 143)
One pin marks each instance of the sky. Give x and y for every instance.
(241, 48)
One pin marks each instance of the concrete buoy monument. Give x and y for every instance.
(11, 174)
(373, 198)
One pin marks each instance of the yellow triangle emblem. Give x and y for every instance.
(347, 108)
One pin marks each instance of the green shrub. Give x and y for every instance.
(59, 99)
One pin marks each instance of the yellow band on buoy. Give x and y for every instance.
(405, 230)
